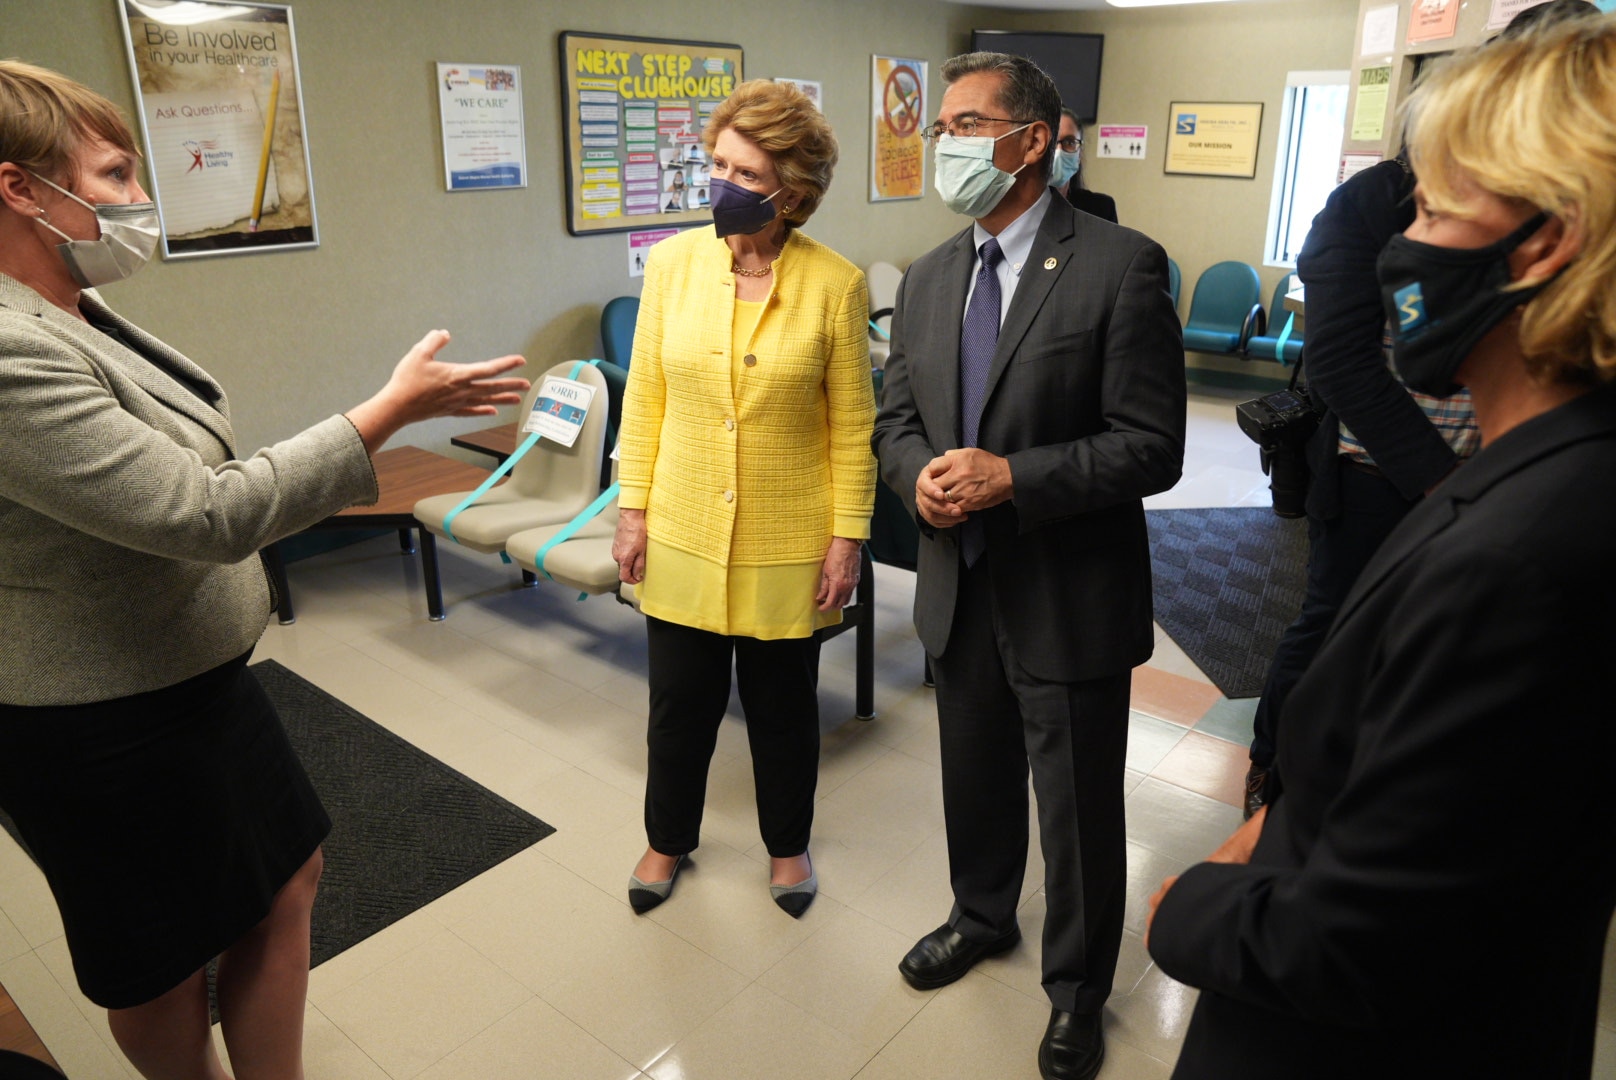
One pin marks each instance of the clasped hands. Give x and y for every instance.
(952, 487)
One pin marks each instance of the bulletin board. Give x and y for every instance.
(633, 110)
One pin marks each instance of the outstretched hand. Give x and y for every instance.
(423, 387)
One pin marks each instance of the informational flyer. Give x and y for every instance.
(480, 108)
(1379, 31)
(1213, 138)
(221, 112)
(1354, 163)
(811, 89)
(1432, 20)
(640, 243)
(560, 410)
(633, 110)
(898, 106)
(1374, 92)
(1126, 141)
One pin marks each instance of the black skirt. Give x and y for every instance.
(165, 823)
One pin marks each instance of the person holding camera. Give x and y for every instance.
(1379, 446)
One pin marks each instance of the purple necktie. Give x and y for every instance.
(978, 341)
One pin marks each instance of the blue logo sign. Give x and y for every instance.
(1410, 302)
(1186, 123)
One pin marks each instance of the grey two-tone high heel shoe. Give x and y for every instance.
(645, 895)
(794, 899)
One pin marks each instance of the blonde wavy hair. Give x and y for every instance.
(46, 117)
(1533, 119)
(790, 129)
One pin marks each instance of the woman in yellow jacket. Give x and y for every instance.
(747, 481)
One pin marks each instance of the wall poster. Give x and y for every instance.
(221, 111)
(480, 109)
(633, 110)
(811, 88)
(1207, 138)
(898, 107)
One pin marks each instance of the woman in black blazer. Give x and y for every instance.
(1419, 902)
(1067, 173)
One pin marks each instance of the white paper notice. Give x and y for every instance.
(205, 150)
(1505, 10)
(1379, 31)
(559, 412)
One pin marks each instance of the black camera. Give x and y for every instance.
(1280, 424)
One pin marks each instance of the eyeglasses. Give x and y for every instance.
(964, 127)
(1071, 144)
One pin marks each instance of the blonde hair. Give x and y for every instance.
(46, 117)
(1533, 119)
(787, 126)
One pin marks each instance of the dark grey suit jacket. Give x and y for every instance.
(1086, 400)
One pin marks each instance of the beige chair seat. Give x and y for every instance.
(583, 561)
(500, 513)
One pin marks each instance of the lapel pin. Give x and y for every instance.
(1049, 263)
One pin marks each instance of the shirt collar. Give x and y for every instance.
(1016, 238)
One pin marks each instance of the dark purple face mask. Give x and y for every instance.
(738, 210)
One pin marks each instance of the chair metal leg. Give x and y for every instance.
(406, 542)
(429, 571)
(529, 579)
(276, 565)
(864, 640)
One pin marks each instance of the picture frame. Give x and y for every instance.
(220, 103)
(1213, 138)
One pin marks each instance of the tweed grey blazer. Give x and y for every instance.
(129, 531)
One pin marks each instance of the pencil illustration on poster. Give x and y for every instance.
(221, 113)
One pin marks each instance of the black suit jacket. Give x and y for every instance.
(1086, 400)
(1430, 896)
(1092, 202)
(1345, 362)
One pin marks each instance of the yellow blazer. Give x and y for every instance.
(764, 468)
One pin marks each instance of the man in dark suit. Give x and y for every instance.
(1034, 395)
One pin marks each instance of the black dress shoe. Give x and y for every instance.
(1073, 1046)
(944, 955)
(1256, 788)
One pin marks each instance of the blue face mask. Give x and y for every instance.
(967, 179)
(739, 210)
(1064, 167)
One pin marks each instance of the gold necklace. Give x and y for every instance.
(764, 271)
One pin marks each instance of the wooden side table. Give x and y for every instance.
(404, 476)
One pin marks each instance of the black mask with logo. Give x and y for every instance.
(1441, 302)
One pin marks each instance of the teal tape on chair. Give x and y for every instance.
(1286, 347)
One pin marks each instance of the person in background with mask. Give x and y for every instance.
(1401, 910)
(747, 481)
(1066, 173)
(1034, 396)
(139, 757)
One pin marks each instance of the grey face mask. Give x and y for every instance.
(128, 238)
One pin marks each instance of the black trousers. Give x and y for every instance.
(690, 681)
(995, 722)
(1338, 550)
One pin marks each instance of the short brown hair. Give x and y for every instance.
(1026, 92)
(787, 126)
(1532, 119)
(45, 117)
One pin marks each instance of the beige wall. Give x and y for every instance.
(1203, 52)
(296, 336)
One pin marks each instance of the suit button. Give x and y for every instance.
(749, 360)
(729, 496)
(729, 423)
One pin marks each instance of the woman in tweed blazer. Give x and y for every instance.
(138, 756)
(747, 480)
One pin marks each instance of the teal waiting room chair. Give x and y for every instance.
(1175, 278)
(1224, 309)
(617, 321)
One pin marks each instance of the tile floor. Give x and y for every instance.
(538, 969)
